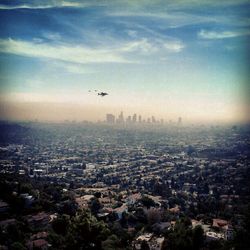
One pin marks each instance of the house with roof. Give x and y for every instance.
(120, 210)
(4, 207)
(133, 198)
(146, 237)
(40, 244)
(40, 220)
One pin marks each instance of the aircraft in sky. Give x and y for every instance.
(102, 94)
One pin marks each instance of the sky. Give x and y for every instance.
(164, 58)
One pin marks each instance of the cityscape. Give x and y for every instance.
(170, 187)
(124, 125)
(134, 119)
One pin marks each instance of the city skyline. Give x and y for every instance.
(167, 59)
(136, 119)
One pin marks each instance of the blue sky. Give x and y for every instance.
(162, 58)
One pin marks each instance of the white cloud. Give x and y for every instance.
(23, 6)
(198, 3)
(71, 4)
(171, 20)
(166, 17)
(143, 46)
(146, 46)
(174, 46)
(75, 54)
(204, 34)
(130, 4)
(54, 4)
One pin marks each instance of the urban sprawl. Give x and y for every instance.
(96, 186)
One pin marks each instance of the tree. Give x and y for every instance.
(112, 242)
(98, 195)
(95, 206)
(17, 246)
(56, 240)
(14, 232)
(242, 238)
(181, 237)
(198, 238)
(144, 245)
(61, 224)
(26, 188)
(147, 202)
(69, 207)
(85, 230)
(153, 216)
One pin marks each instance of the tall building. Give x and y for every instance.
(139, 119)
(134, 119)
(129, 119)
(120, 118)
(153, 119)
(110, 118)
(179, 121)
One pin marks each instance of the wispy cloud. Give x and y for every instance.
(143, 46)
(74, 68)
(205, 3)
(172, 20)
(75, 54)
(178, 17)
(147, 47)
(205, 34)
(174, 46)
(54, 4)
(52, 36)
(81, 54)
(136, 5)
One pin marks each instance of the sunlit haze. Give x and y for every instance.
(166, 59)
